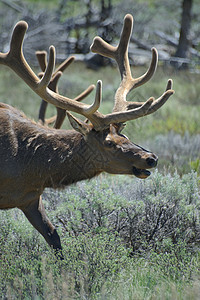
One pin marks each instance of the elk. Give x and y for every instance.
(34, 157)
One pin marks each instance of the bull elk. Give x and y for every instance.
(34, 156)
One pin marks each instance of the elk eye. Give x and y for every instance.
(109, 143)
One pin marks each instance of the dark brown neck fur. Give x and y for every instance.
(75, 160)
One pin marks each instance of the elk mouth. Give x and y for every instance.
(141, 173)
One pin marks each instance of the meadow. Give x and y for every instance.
(123, 238)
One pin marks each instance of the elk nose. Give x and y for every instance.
(152, 161)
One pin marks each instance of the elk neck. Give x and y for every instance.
(61, 157)
(73, 159)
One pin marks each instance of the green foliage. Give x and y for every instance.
(143, 213)
(195, 165)
(174, 259)
(89, 261)
(94, 258)
(120, 236)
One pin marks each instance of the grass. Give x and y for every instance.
(179, 114)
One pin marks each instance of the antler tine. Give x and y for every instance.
(65, 64)
(61, 113)
(45, 80)
(151, 70)
(157, 103)
(162, 99)
(16, 61)
(42, 59)
(62, 67)
(59, 118)
(43, 106)
(169, 84)
(120, 54)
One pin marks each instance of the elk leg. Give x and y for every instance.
(35, 213)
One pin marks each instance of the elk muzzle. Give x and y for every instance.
(151, 162)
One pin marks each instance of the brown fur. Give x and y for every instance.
(34, 157)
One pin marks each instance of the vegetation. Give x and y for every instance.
(123, 238)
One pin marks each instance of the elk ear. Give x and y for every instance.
(78, 125)
(119, 127)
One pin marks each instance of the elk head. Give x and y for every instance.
(120, 155)
(116, 153)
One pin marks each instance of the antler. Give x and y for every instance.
(16, 61)
(53, 85)
(120, 54)
(122, 111)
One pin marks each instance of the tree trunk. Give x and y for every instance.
(182, 50)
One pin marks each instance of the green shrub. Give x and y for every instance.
(195, 165)
(142, 213)
(89, 261)
(119, 235)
